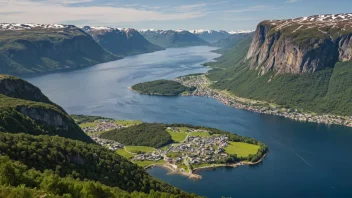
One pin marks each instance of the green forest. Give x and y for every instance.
(162, 87)
(146, 134)
(62, 166)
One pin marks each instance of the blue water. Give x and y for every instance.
(305, 159)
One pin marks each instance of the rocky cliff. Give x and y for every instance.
(122, 42)
(35, 48)
(23, 108)
(301, 45)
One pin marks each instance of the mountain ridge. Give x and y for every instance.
(172, 38)
(41, 48)
(121, 41)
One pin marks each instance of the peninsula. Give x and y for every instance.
(180, 148)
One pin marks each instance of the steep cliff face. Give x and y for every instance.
(23, 108)
(302, 45)
(122, 42)
(30, 48)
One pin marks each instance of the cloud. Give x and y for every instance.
(54, 11)
(291, 1)
(251, 9)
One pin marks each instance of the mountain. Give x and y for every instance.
(172, 38)
(305, 44)
(302, 63)
(38, 48)
(24, 108)
(43, 153)
(211, 36)
(121, 42)
(231, 40)
(59, 166)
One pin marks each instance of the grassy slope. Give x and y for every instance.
(177, 136)
(327, 91)
(241, 149)
(124, 153)
(137, 149)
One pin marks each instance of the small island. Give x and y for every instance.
(180, 148)
(162, 88)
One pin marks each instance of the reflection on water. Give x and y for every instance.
(305, 159)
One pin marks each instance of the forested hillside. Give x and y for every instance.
(146, 134)
(24, 108)
(60, 166)
(161, 87)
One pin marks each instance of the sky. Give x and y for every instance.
(230, 15)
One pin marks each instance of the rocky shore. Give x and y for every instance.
(203, 89)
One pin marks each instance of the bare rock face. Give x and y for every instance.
(306, 44)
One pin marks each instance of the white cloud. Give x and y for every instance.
(291, 1)
(53, 11)
(251, 9)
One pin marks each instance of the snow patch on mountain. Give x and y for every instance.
(28, 26)
(241, 31)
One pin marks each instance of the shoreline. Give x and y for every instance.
(172, 169)
(130, 88)
(203, 90)
(241, 163)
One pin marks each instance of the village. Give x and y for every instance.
(194, 150)
(112, 145)
(101, 125)
(202, 85)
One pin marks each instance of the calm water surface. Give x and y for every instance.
(305, 159)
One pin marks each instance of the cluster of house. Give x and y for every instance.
(102, 125)
(203, 90)
(152, 156)
(112, 145)
(189, 130)
(199, 150)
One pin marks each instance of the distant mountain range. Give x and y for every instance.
(38, 48)
(213, 36)
(122, 42)
(231, 40)
(172, 38)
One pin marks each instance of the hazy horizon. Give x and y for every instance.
(231, 15)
